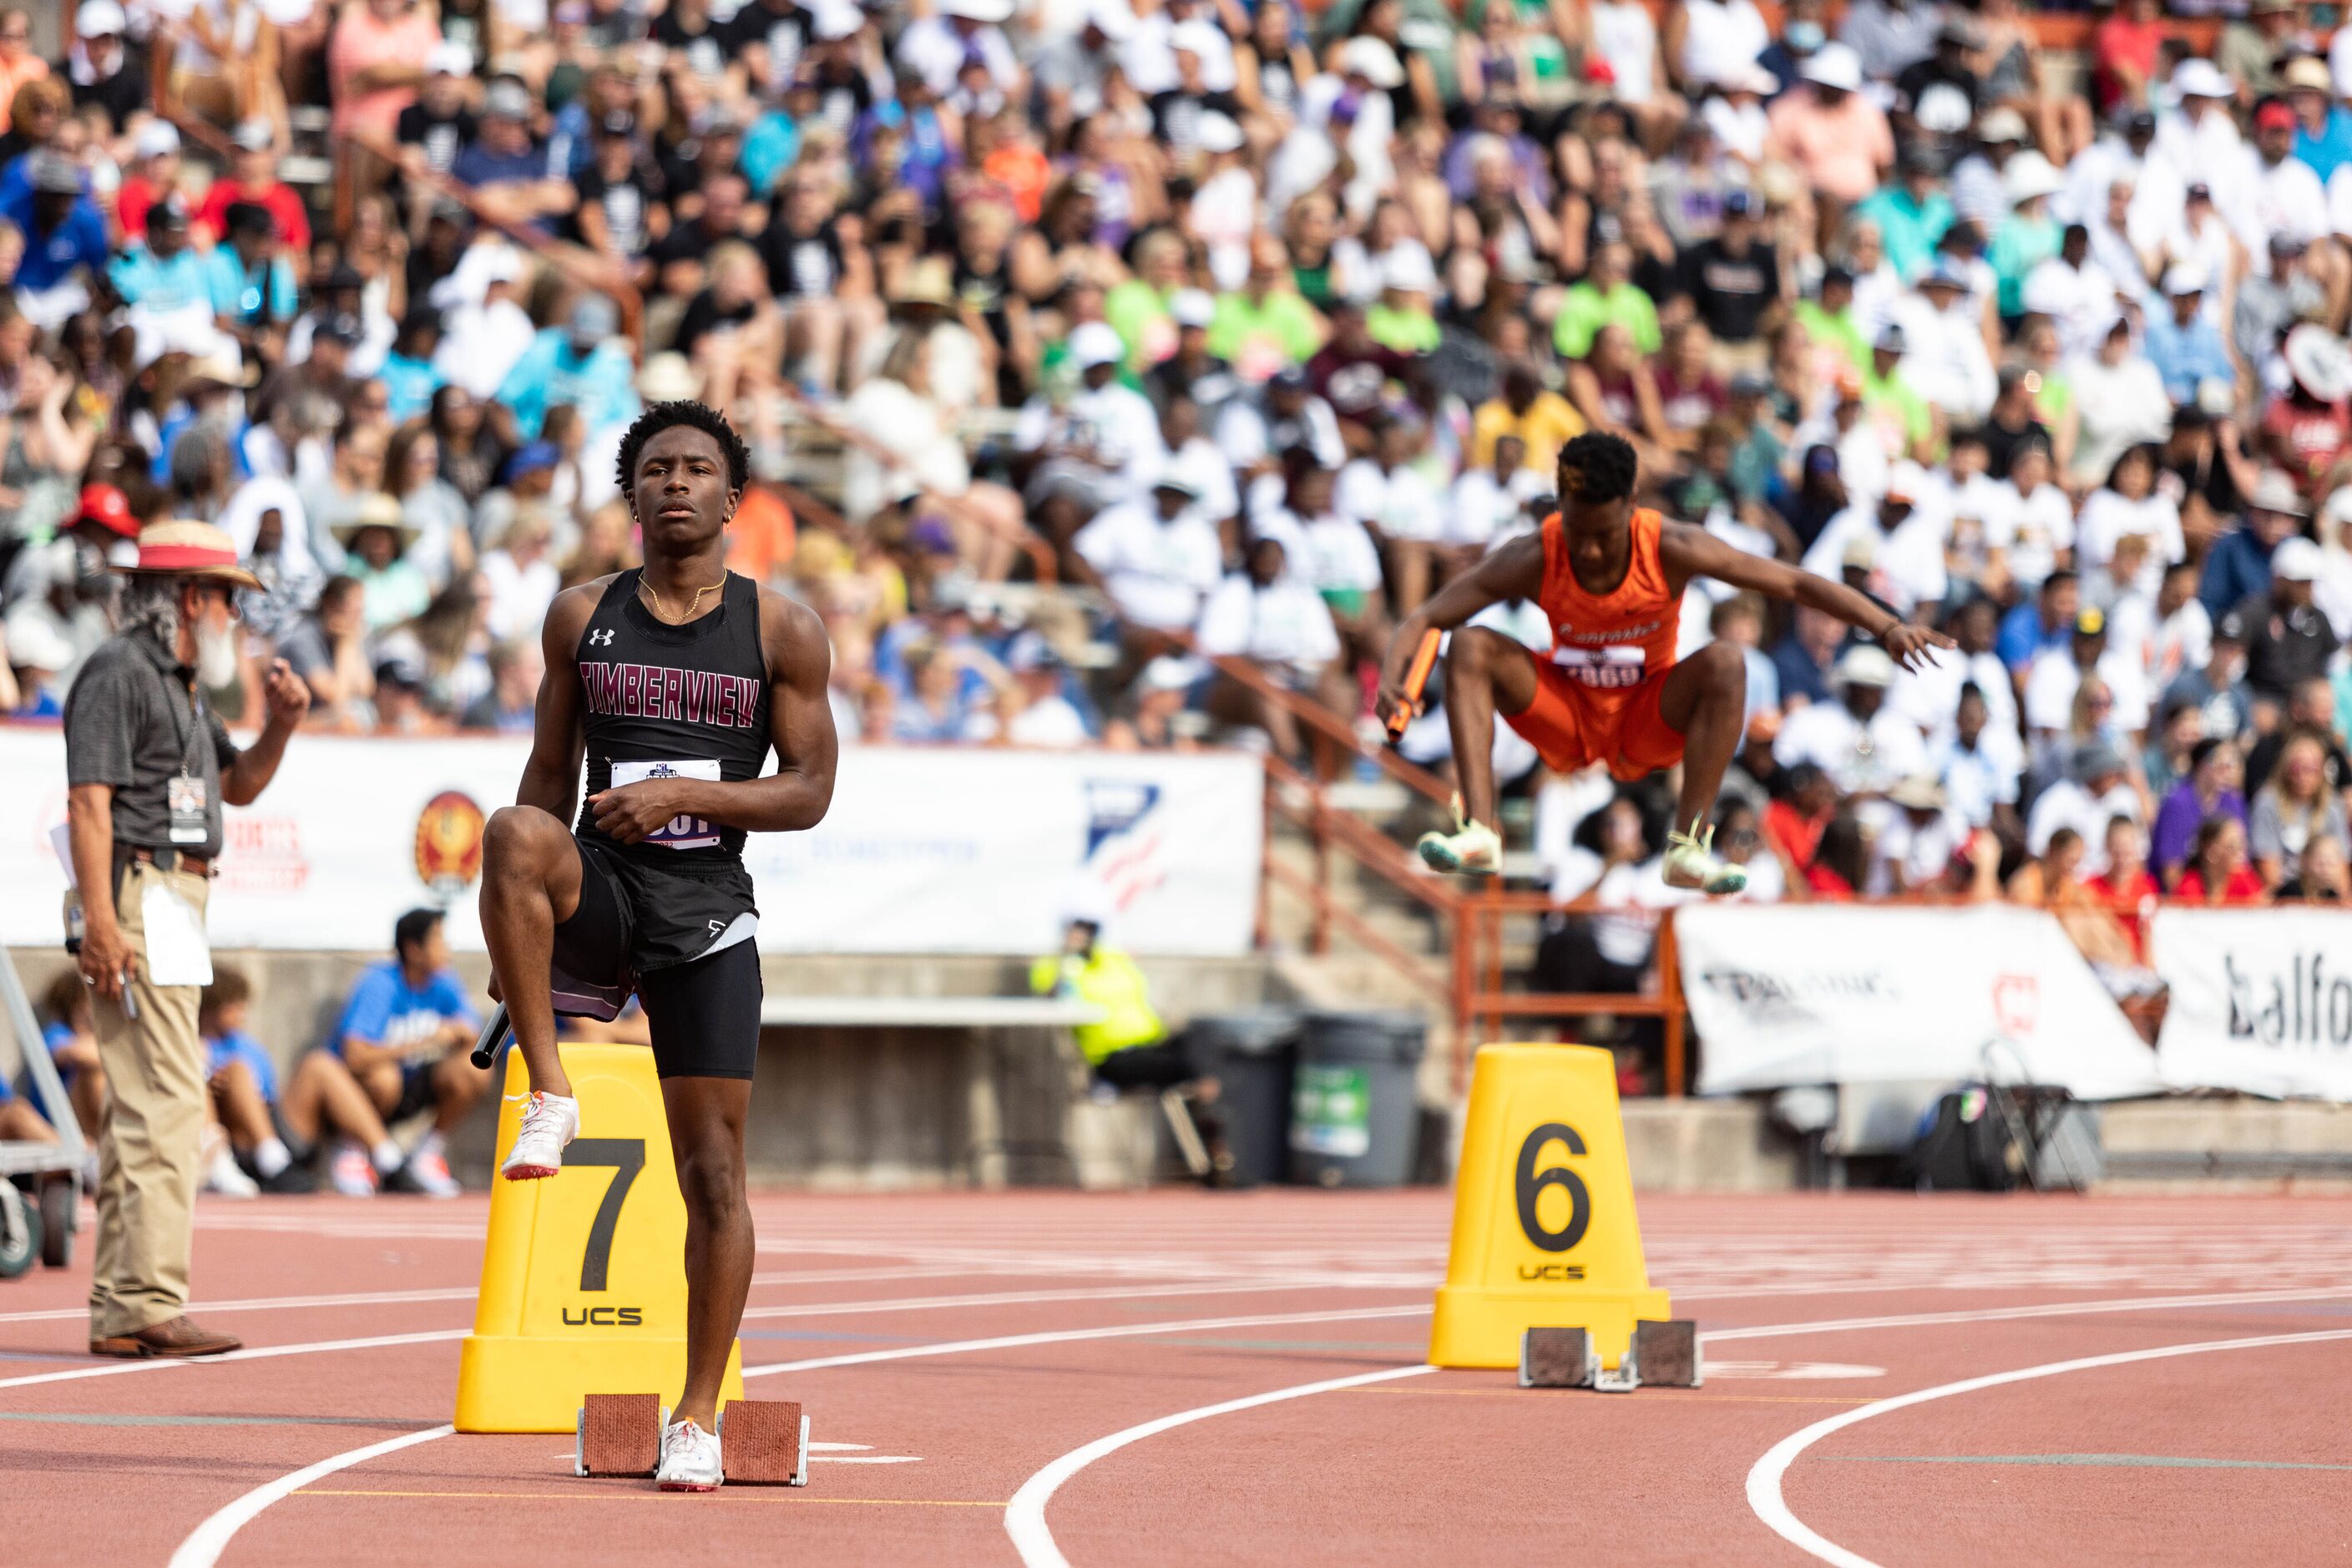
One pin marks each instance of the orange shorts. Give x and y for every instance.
(1575, 725)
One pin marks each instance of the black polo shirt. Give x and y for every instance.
(131, 723)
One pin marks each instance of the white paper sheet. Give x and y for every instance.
(177, 952)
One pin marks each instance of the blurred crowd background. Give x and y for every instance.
(1083, 345)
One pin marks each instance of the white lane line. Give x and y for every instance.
(206, 1543)
(1025, 1516)
(1764, 1478)
(260, 1353)
(203, 1548)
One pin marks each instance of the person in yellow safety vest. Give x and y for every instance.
(1128, 1046)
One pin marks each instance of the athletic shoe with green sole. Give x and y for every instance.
(1691, 863)
(1471, 850)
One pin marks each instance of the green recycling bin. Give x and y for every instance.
(1354, 1116)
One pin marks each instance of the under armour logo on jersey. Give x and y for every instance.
(601, 638)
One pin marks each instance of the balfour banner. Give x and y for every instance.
(1807, 993)
(2261, 999)
(943, 850)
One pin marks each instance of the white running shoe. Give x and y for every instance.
(427, 1171)
(689, 1460)
(549, 1123)
(352, 1172)
(227, 1178)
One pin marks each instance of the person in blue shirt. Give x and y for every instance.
(251, 280)
(408, 376)
(1911, 215)
(65, 233)
(162, 274)
(71, 1040)
(2238, 567)
(508, 167)
(2323, 130)
(2040, 623)
(407, 1035)
(584, 364)
(275, 1138)
(2185, 347)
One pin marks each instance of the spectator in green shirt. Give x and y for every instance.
(1399, 318)
(1891, 401)
(1138, 308)
(1266, 325)
(1911, 215)
(1829, 320)
(1606, 297)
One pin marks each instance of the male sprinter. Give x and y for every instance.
(1611, 580)
(675, 678)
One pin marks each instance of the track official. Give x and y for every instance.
(148, 766)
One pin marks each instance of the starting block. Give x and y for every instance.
(619, 1435)
(764, 1442)
(1664, 1353)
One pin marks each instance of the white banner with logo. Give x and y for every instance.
(924, 850)
(1805, 993)
(2262, 1000)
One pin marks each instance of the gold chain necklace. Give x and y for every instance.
(663, 610)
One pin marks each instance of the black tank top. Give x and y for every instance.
(664, 701)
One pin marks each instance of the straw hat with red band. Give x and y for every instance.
(186, 549)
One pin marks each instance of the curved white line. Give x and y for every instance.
(203, 1548)
(1764, 1478)
(1025, 1516)
(204, 1545)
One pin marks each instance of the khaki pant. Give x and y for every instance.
(150, 1152)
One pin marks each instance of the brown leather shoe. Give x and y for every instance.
(177, 1336)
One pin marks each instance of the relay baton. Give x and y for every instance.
(494, 1034)
(1416, 677)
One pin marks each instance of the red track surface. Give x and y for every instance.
(2235, 1453)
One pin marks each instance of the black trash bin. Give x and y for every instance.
(1251, 1056)
(1354, 1117)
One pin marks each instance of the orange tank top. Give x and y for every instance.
(1611, 643)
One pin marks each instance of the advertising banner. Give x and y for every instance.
(2262, 1000)
(1809, 993)
(925, 850)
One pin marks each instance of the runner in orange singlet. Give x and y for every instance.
(1611, 580)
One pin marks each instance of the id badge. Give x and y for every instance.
(185, 797)
(678, 832)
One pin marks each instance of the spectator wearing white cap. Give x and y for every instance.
(2238, 566)
(1944, 357)
(1270, 614)
(1906, 529)
(2029, 236)
(1862, 746)
(2289, 640)
(1225, 206)
(434, 128)
(1837, 138)
(1157, 557)
(103, 66)
(1100, 446)
(2200, 136)
(935, 47)
(2183, 341)
(2120, 402)
(2199, 235)
(1710, 41)
(1387, 491)
(1072, 68)
(1191, 370)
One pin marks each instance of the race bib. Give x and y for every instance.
(1603, 667)
(678, 832)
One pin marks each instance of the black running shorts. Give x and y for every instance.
(703, 1011)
